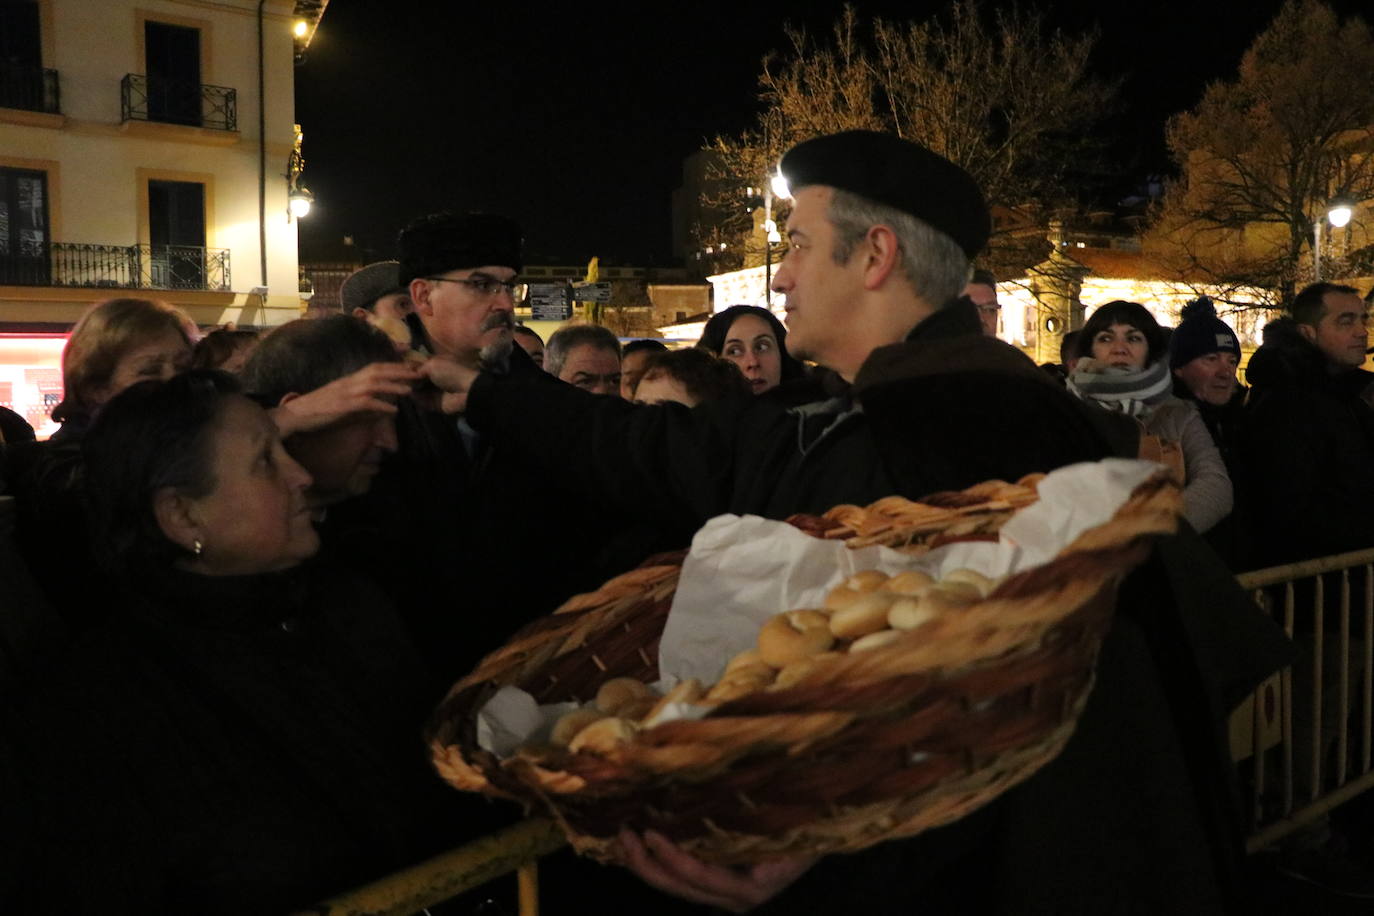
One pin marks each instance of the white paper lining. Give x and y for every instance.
(744, 569)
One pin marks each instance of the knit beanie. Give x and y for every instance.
(1199, 333)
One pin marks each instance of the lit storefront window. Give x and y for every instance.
(31, 377)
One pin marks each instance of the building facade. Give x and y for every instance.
(144, 150)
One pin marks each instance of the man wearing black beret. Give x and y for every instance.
(881, 233)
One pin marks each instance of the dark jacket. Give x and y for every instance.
(1136, 815)
(230, 745)
(1230, 537)
(1308, 449)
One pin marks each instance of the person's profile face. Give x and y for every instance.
(342, 459)
(984, 298)
(256, 519)
(1343, 332)
(752, 346)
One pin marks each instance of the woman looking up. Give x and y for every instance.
(1122, 367)
(754, 340)
(257, 716)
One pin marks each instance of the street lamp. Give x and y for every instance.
(1339, 213)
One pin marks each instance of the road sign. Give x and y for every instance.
(592, 292)
(549, 302)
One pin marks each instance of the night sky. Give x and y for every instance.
(575, 120)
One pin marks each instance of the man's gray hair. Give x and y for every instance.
(935, 265)
(565, 340)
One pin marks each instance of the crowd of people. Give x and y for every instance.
(249, 566)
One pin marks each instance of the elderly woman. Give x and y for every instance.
(1123, 367)
(117, 343)
(242, 736)
(754, 340)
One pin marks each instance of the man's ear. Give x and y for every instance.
(288, 398)
(419, 294)
(176, 517)
(362, 314)
(1307, 331)
(883, 253)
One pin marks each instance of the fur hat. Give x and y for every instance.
(440, 242)
(900, 174)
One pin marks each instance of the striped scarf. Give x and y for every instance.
(1134, 392)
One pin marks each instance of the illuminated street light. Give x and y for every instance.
(1338, 212)
(780, 186)
(300, 28)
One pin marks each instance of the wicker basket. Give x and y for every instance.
(869, 746)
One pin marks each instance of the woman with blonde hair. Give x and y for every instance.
(117, 343)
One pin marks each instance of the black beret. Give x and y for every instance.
(898, 173)
(441, 242)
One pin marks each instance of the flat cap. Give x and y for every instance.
(362, 288)
(898, 173)
(446, 241)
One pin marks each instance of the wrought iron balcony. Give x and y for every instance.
(173, 267)
(153, 98)
(29, 89)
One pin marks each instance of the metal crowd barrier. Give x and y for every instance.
(1293, 738)
(1262, 734)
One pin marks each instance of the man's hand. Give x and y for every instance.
(661, 863)
(453, 379)
(372, 389)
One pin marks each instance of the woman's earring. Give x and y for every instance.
(197, 547)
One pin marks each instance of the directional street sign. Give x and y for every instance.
(592, 292)
(549, 302)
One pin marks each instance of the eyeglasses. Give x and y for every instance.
(483, 285)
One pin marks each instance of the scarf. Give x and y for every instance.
(1134, 392)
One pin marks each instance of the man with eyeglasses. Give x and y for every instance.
(981, 290)
(461, 272)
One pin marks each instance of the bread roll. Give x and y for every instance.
(793, 635)
(688, 691)
(603, 736)
(841, 597)
(912, 582)
(567, 727)
(875, 640)
(971, 577)
(866, 615)
(796, 671)
(745, 659)
(866, 580)
(638, 710)
(619, 691)
(957, 591)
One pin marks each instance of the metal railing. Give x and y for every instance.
(155, 98)
(1296, 731)
(1263, 741)
(515, 849)
(176, 267)
(29, 89)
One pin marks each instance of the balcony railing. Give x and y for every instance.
(173, 267)
(153, 98)
(29, 89)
